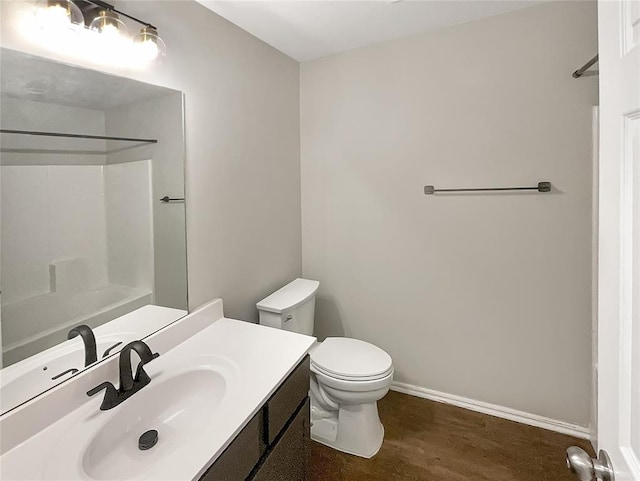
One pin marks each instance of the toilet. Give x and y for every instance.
(348, 376)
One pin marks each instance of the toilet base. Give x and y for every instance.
(353, 429)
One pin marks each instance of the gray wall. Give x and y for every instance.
(481, 296)
(242, 141)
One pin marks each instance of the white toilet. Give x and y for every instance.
(348, 376)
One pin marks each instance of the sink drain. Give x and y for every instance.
(148, 440)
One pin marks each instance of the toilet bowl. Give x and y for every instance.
(348, 376)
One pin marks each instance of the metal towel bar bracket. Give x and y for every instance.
(167, 199)
(580, 72)
(541, 187)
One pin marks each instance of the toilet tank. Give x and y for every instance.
(291, 308)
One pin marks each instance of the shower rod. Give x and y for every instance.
(541, 187)
(76, 136)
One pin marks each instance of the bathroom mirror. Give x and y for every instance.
(92, 218)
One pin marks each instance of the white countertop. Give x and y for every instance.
(254, 360)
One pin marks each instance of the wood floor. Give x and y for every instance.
(429, 441)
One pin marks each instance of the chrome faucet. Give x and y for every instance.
(129, 384)
(89, 340)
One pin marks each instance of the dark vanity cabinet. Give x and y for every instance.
(274, 446)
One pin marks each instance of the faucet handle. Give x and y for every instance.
(111, 398)
(105, 385)
(110, 349)
(141, 374)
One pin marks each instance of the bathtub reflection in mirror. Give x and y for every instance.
(85, 238)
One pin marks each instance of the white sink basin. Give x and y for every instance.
(180, 408)
(182, 402)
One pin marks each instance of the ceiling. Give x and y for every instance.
(310, 29)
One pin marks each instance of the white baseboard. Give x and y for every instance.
(494, 410)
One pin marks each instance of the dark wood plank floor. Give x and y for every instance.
(429, 441)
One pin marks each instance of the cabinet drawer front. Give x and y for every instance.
(237, 461)
(289, 458)
(286, 400)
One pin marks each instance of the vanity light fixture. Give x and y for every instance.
(93, 29)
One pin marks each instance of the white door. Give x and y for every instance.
(619, 237)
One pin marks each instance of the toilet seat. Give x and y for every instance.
(319, 370)
(349, 385)
(347, 359)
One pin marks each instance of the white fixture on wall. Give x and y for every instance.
(92, 30)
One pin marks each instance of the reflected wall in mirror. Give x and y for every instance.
(85, 239)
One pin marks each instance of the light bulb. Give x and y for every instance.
(149, 46)
(58, 14)
(109, 24)
(148, 50)
(110, 31)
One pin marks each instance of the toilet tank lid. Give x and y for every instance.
(289, 296)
